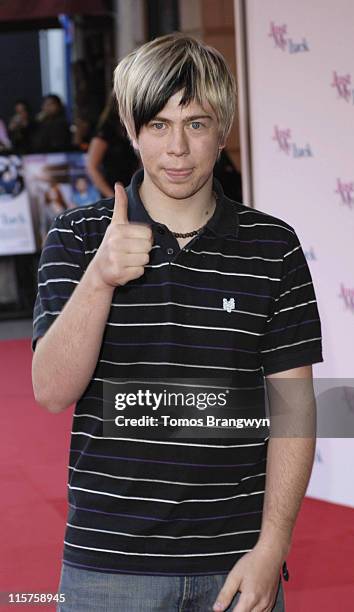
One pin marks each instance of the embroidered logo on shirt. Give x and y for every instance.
(229, 304)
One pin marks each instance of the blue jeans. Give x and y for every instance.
(87, 591)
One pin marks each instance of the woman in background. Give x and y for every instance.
(52, 132)
(110, 156)
(21, 128)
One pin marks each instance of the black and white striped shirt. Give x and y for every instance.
(184, 506)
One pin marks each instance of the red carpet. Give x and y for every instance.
(33, 458)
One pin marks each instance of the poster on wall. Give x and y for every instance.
(56, 182)
(301, 144)
(16, 227)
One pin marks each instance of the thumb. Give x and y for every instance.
(120, 211)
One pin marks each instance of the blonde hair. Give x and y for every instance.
(146, 79)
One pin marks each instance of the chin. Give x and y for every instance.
(177, 192)
(181, 190)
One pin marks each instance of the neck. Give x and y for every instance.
(179, 215)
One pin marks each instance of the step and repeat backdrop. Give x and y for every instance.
(300, 66)
(34, 189)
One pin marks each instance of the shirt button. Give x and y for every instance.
(170, 251)
(160, 229)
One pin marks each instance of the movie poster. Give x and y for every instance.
(56, 182)
(16, 227)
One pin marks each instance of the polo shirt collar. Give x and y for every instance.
(224, 221)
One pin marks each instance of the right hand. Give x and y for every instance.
(125, 248)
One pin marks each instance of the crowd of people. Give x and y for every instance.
(47, 131)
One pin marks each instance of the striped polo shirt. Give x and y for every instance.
(182, 506)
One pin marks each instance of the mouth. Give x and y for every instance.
(178, 173)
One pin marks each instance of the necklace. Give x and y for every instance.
(188, 234)
(194, 232)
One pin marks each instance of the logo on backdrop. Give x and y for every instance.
(347, 295)
(343, 85)
(310, 254)
(287, 146)
(346, 192)
(279, 34)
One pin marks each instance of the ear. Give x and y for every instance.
(132, 136)
(220, 148)
(135, 144)
(134, 140)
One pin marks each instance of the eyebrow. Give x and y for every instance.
(186, 119)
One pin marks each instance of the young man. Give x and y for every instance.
(172, 279)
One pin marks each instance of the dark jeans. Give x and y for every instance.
(87, 591)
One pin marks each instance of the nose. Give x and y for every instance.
(177, 142)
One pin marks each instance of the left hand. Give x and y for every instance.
(256, 575)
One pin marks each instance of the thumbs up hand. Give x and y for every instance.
(120, 210)
(125, 248)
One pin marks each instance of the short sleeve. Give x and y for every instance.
(60, 269)
(292, 337)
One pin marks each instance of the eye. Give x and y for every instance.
(158, 125)
(196, 125)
